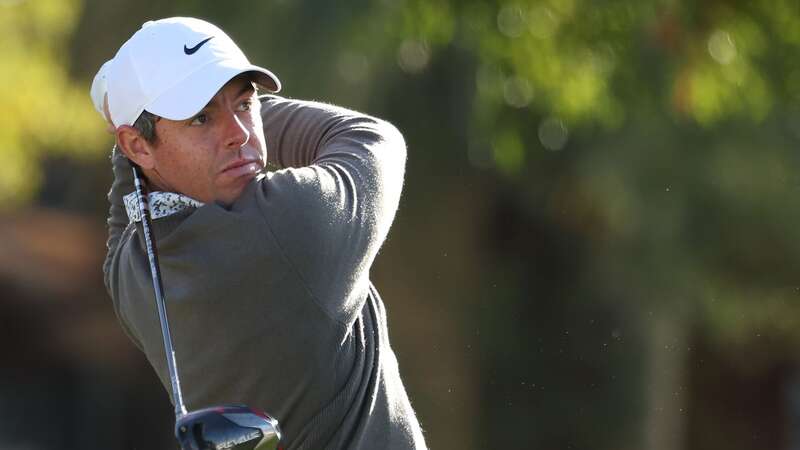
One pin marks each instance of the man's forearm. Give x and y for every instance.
(117, 217)
(301, 133)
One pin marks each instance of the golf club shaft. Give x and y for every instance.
(144, 214)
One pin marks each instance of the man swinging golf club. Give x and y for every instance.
(265, 274)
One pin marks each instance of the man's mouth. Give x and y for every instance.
(242, 167)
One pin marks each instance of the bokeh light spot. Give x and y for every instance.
(511, 21)
(542, 22)
(721, 47)
(517, 92)
(553, 134)
(413, 56)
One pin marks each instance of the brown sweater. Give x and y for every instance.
(269, 300)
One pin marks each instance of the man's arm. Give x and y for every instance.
(117, 224)
(117, 217)
(332, 209)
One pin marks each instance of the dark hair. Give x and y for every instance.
(146, 125)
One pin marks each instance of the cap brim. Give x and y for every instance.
(193, 93)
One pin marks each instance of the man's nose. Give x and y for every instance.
(236, 134)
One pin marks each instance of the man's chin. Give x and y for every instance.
(233, 193)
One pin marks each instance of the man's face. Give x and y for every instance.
(212, 156)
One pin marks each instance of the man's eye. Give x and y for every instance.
(246, 105)
(199, 119)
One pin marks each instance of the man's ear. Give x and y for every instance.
(135, 147)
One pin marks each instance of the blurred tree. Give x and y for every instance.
(629, 166)
(44, 110)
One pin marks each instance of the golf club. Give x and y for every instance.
(234, 427)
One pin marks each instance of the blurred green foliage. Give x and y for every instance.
(662, 133)
(623, 160)
(44, 110)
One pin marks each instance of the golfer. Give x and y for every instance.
(266, 273)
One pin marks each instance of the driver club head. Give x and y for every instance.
(227, 427)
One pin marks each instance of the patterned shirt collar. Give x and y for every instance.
(162, 204)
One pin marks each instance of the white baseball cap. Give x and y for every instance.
(172, 68)
(99, 88)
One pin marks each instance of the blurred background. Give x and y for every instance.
(598, 246)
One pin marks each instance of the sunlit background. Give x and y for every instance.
(598, 247)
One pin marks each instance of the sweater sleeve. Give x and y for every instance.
(117, 224)
(117, 217)
(331, 208)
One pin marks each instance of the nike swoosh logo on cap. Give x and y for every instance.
(191, 51)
